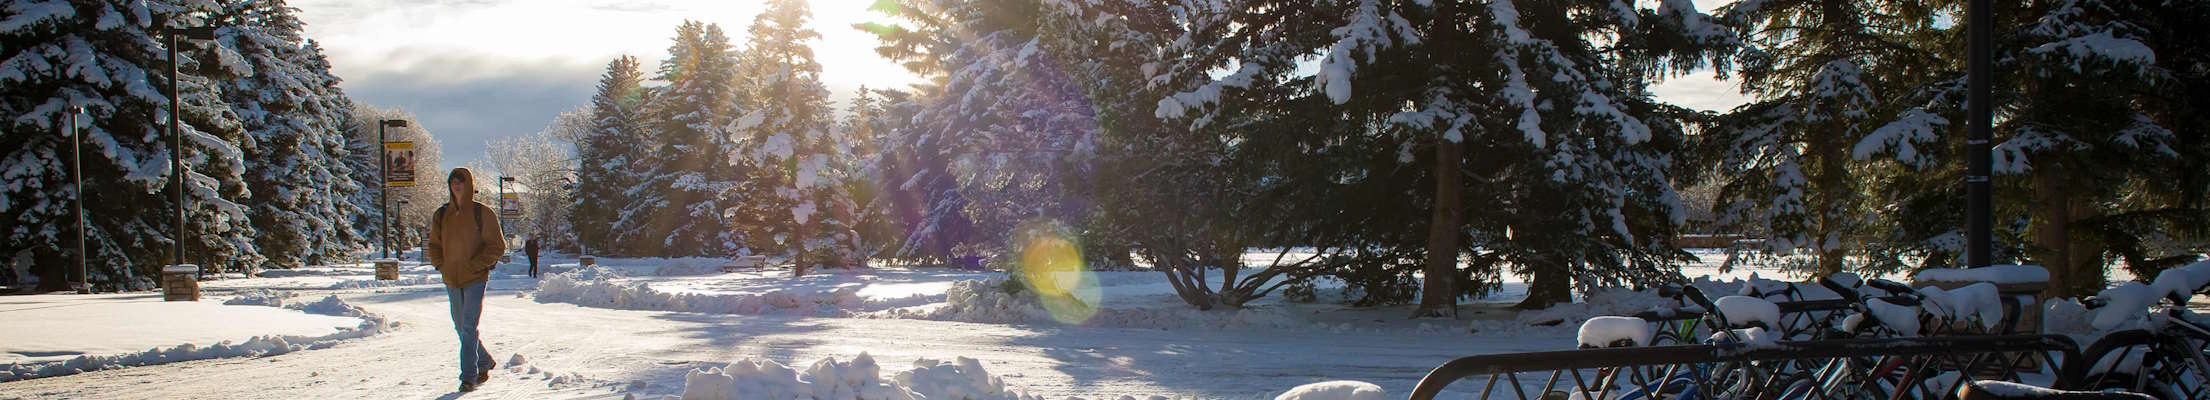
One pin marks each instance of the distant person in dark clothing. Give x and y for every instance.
(530, 248)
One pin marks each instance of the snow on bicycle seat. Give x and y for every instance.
(1745, 312)
(1601, 332)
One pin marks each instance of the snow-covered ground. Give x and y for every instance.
(58, 327)
(649, 327)
(52, 335)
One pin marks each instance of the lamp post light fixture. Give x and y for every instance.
(176, 135)
(383, 171)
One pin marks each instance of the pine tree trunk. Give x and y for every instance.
(1830, 261)
(1834, 192)
(1551, 284)
(2086, 250)
(1438, 290)
(52, 268)
(1832, 187)
(798, 263)
(2052, 218)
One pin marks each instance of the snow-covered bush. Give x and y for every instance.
(994, 301)
(858, 379)
(1335, 390)
(259, 297)
(597, 287)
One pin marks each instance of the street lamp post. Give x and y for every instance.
(176, 135)
(76, 172)
(502, 198)
(1979, 217)
(383, 171)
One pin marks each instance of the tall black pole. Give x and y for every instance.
(76, 172)
(1979, 215)
(383, 193)
(176, 150)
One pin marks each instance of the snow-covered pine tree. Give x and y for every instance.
(675, 204)
(868, 122)
(2181, 98)
(918, 190)
(281, 98)
(790, 201)
(1006, 138)
(333, 198)
(1572, 153)
(1821, 71)
(917, 198)
(1165, 190)
(2083, 133)
(107, 57)
(361, 154)
(610, 152)
(219, 230)
(2080, 178)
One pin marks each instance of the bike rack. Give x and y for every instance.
(1799, 317)
(1959, 354)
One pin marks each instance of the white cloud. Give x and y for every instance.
(372, 36)
(477, 70)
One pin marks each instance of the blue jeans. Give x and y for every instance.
(467, 304)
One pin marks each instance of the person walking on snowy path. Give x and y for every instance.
(530, 248)
(465, 243)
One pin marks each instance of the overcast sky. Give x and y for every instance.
(477, 70)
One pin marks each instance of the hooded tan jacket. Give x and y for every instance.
(464, 251)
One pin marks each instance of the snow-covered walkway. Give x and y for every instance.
(584, 352)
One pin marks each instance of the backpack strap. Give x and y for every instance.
(440, 213)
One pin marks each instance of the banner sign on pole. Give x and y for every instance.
(510, 205)
(399, 166)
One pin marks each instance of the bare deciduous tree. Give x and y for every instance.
(543, 167)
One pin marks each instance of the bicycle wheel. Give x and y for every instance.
(1735, 380)
(2132, 360)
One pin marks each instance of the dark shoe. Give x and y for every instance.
(484, 377)
(467, 387)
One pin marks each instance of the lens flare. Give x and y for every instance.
(1052, 266)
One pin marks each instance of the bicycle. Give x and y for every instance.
(2164, 355)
